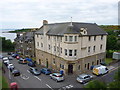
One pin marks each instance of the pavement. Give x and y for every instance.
(28, 80)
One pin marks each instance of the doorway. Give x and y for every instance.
(88, 66)
(39, 61)
(70, 69)
(97, 62)
(47, 64)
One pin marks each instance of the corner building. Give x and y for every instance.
(72, 46)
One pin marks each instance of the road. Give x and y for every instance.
(28, 80)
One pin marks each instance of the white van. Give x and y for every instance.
(100, 70)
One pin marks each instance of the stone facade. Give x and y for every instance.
(71, 47)
(24, 44)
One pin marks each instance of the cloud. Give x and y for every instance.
(30, 13)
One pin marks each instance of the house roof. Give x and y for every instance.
(66, 28)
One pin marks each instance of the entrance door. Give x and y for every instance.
(88, 66)
(70, 69)
(97, 62)
(39, 61)
(47, 64)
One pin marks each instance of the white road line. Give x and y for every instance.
(23, 76)
(28, 71)
(49, 86)
(37, 78)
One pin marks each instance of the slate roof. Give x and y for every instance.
(66, 28)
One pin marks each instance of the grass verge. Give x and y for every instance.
(108, 60)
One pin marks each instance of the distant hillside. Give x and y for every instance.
(104, 27)
(110, 27)
(22, 30)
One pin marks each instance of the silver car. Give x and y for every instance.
(57, 77)
(83, 78)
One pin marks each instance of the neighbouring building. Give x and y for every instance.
(24, 44)
(72, 46)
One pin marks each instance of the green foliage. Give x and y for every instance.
(117, 75)
(114, 84)
(4, 83)
(7, 45)
(108, 61)
(21, 30)
(96, 84)
(111, 42)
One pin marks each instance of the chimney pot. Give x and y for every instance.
(45, 22)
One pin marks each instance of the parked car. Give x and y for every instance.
(16, 72)
(9, 53)
(83, 78)
(10, 66)
(103, 63)
(6, 62)
(14, 55)
(34, 71)
(100, 70)
(17, 57)
(1, 57)
(22, 61)
(31, 64)
(45, 71)
(5, 58)
(13, 86)
(57, 77)
(10, 58)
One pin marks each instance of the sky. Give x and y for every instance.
(31, 13)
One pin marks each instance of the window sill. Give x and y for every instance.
(71, 42)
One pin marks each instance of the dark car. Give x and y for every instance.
(34, 71)
(9, 53)
(31, 64)
(14, 55)
(45, 71)
(16, 72)
(103, 63)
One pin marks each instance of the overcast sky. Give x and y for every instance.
(31, 13)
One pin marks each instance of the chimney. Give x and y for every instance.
(45, 22)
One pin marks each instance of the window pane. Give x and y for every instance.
(70, 38)
(65, 38)
(75, 52)
(65, 51)
(70, 52)
(75, 38)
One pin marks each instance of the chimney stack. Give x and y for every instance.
(45, 22)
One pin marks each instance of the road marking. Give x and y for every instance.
(37, 78)
(23, 76)
(49, 86)
(71, 85)
(114, 69)
(28, 71)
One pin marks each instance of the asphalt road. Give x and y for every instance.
(28, 80)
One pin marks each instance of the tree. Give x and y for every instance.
(111, 42)
(7, 45)
(96, 84)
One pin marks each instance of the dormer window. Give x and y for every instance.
(83, 31)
